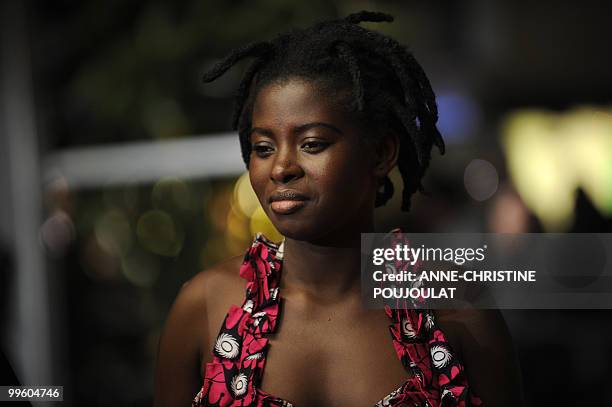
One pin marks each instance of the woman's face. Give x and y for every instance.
(310, 168)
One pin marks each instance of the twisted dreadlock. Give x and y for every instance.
(388, 89)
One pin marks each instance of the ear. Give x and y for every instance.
(387, 153)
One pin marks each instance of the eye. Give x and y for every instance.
(314, 146)
(263, 150)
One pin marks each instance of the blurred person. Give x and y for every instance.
(324, 114)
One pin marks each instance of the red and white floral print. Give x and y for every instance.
(239, 353)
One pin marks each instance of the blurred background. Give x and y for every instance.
(120, 178)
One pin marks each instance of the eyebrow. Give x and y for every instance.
(299, 129)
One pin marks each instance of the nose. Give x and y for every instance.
(286, 168)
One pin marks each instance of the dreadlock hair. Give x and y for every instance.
(387, 88)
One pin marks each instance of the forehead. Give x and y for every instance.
(297, 101)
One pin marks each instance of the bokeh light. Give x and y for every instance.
(57, 233)
(97, 263)
(261, 223)
(114, 233)
(244, 197)
(459, 116)
(551, 155)
(480, 179)
(141, 268)
(171, 194)
(159, 233)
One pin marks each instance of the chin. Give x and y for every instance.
(297, 230)
(309, 224)
(315, 229)
(299, 226)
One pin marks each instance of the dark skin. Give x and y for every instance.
(328, 350)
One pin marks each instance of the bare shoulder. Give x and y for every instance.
(209, 295)
(210, 284)
(200, 294)
(201, 303)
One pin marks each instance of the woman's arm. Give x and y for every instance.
(185, 343)
(177, 375)
(487, 351)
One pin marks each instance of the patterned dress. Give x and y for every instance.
(239, 353)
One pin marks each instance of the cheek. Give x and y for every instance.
(343, 177)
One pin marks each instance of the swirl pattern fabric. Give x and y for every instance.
(239, 352)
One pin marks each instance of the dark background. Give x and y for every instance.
(90, 269)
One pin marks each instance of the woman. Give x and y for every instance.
(323, 115)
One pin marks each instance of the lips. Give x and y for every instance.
(287, 201)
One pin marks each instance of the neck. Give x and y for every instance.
(328, 268)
